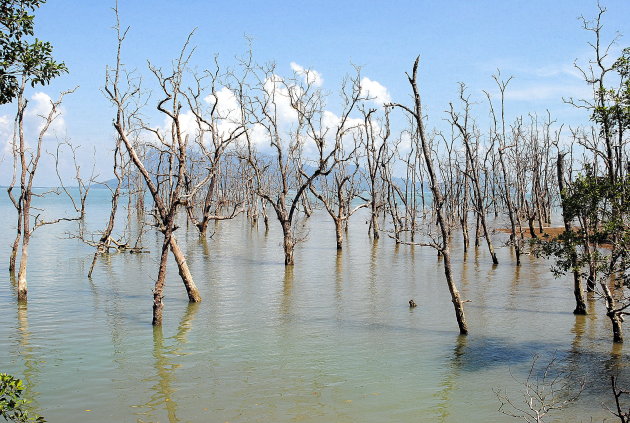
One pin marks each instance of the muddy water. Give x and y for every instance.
(331, 340)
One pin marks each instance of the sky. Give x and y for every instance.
(535, 41)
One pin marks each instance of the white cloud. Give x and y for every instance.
(226, 119)
(375, 91)
(6, 132)
(228, 110)
(280, 97)
(548, 91)
(310, 76)
(38, 109)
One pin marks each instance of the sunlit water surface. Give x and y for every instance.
(331, 340)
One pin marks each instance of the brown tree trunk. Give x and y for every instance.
(184, 272)
(288, 243)
(158, 290)
(438, 202)
(374, 224)
(612, 313)
(455, 295)
(21, 285)
(104, 240)
(339, 233)
(16, 244)
(616, 326)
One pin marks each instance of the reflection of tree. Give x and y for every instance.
(373, 277)
(165, 352)
(27, 352)
(447, 386)
(286, 305)
(339, 283)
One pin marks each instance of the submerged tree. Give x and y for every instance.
(287, 115)
(26, 159)
(443, 245)
(24, 61)
(602, 213)
(598, 200)
(165, 180)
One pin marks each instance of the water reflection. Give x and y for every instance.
(329, 339)
(28, 354)
(165, 354)
(286, 303)
(449, 382)
(339, 276)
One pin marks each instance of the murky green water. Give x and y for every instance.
(332, 340)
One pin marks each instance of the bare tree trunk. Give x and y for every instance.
(21, 284)
(288, 243)
(472, 167)
(438, 201)
(103, 242)
(16, 244)
(455, 295)
(184, 272)
(158, 290)
(612, 312)
(339, 233)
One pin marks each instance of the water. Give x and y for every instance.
(332, 340)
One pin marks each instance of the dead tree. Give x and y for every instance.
(106, 241)
(471, 145)
(374, 139)
(165, 188)
(300, 150)
(620, 411)
(443, 246)
(217, 127)
(545, 390)
(505, 184)
(26, 160)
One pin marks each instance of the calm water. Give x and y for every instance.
(332, 340)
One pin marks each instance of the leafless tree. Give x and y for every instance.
(620, 412)
(26, 159)
(337, 192)
(217, 127)
(544, 390)
(471, 144)
(166, 186)
(300, 151)
(443, 246)
(506, 184)
(374, 141)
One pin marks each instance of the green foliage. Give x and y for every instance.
(601, 209)
(20, 55)
(12, 406)
(613, 111)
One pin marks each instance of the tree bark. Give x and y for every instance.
(16, 244)
(438, 202)
(288, 243)
(184, 272)
(339, 233)
(158, 290)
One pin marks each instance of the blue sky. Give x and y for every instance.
(535, 41)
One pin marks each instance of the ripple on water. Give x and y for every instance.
(332, 339)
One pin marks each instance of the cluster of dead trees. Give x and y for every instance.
(205, 146)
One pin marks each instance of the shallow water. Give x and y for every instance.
(331, 340)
